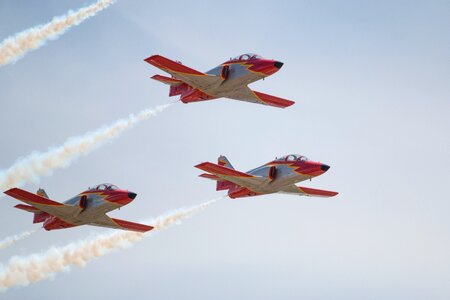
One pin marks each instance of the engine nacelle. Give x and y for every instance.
(225, 72)
(272, 173)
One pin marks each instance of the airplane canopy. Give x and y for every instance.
(247, 56)
(104, 186)
(293, 157)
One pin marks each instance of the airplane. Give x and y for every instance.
(87, 208)
(229, 80)
(277, 176)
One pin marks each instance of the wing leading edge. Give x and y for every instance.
(51, 207)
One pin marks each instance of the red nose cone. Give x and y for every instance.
(266, 67)
(313, 168)
(122, 197)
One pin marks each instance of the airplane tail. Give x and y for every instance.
(177, 87)
(42, 193)
(223, 184)
(39, 216)
(223, 161)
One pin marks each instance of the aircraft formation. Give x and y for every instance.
(228, 80)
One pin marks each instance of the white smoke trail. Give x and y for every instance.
(22, 271)
(39, 164)
(11, 240)
(15, 47)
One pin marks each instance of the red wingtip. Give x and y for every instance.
(317, 192)
(132, 226)
(150, 59)
(273, 100)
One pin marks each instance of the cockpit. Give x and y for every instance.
(293, 157)
(247, 56)
(104, 187)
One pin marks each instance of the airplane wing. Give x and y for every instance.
(51, 207)
(105, 221)
(190, 76)
(237, 177)
(303, 191)
(167, 80)
(246, 94)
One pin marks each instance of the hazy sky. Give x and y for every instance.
(371, 85)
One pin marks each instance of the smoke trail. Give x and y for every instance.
(22, 271)
(11, 240)
(39, 164)
(15, 47)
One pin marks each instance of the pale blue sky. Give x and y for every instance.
(371, 82)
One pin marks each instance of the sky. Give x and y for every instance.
(371, 85)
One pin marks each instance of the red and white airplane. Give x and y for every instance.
(87, 208)
(228, 80)
(277, 176)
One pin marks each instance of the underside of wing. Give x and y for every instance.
(105, 221)
(190, 76)
(231, 175)
(303, 191)
(246, 94)
(51, 207)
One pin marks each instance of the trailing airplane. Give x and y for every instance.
(228, 80)
(277, 176)
(87, 208)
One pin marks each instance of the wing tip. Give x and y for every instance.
(273, 100)
(127, 225)
(10, 191)
(205, 166)
(151, 58)
(317, 192)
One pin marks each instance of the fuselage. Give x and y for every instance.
(93, 203)
(235, 73)
(281, 173)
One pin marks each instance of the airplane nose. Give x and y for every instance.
(132, 195)
(278, 64)
(324, 167)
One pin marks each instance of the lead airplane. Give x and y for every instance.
(228, 80)
(277, 176)
(87, 208)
